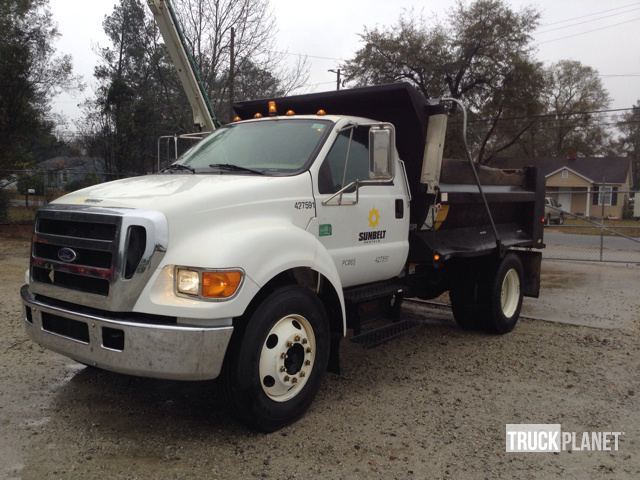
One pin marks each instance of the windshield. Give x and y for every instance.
(265, 147)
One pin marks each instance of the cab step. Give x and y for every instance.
(374, 291)
(378, 336)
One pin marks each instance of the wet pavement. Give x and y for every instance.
(430, 404)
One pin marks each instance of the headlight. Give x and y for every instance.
(188, 281)
(208, 284)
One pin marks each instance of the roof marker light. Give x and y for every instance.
(273, 110)
(290, 113)
(321, 112)
(257, 115)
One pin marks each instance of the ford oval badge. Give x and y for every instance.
(67, 254)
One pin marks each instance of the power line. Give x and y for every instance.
(589, 31)
(554, 115)
(589, 14)
(588, 21)
(620, 75)
(319, 57)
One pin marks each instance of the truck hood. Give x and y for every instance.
(186, 193)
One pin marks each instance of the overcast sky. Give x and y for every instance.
(604, 37)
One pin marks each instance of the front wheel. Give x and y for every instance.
(277, 359)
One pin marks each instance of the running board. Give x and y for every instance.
(374, 291)
(378, 336)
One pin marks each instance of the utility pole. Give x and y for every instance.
(337, 72)
(232, 67)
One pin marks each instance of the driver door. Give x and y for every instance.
(363, 237)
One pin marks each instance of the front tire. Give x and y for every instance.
(276, 360)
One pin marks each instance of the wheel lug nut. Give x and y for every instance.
(286, 378)
(308, 350)
(294, 380)
(289, 344)
(282, 369)
(304, 341)
(283, 355)
(297, 338)
(302, 374)
(307, 362)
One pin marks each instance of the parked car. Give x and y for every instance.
(552, 212)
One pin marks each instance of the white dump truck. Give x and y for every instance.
(248, 258)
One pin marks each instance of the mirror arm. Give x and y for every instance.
(357, 184)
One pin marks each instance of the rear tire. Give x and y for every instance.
(502, 296)
(277, 359)
(465, 303)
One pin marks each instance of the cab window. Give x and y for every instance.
(332, 169)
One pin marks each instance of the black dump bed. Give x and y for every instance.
(516, 197)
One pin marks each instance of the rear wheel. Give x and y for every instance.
(502, 296)
(465, 302)
(276, 361)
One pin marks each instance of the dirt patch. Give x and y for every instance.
(432, 404)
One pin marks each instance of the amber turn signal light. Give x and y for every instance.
(220, 284)
(290, 113)
(321, 112)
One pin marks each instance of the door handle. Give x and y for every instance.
(399, 208)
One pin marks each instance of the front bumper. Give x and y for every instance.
(174, 352)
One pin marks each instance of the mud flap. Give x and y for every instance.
(531, 263)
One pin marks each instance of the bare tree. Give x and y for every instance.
(259, 67)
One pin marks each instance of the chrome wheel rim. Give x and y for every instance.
(510, 293)
(287, 358)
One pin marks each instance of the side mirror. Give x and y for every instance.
(381, 144)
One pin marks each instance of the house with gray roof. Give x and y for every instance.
(586, 186)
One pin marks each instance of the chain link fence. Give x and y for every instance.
(22, 192)
(598, 224)
(610, 232)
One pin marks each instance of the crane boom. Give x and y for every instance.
(169, 26)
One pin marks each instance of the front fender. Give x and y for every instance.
(263, 248)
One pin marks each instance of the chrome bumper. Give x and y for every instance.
(150, 350)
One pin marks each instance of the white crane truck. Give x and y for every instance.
(248, 258)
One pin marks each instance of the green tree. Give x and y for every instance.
(483, 50)
(139, 96)
(629, 140)
(572, 88)
(31, 73)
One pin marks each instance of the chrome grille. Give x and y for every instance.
(90, 240)
(96, 257)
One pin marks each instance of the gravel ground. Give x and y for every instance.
(431, 404)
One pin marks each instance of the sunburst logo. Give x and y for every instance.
(374, 218)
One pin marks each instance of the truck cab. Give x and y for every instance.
(248, 258)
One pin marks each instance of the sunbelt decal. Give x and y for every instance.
(372, 235)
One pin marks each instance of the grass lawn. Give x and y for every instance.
(631, 228)
(22, 215)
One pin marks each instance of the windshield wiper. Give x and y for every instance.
(178, 166)
(235, 168)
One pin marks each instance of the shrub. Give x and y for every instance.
(25, 182)
(4, 206)
(87, 181)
